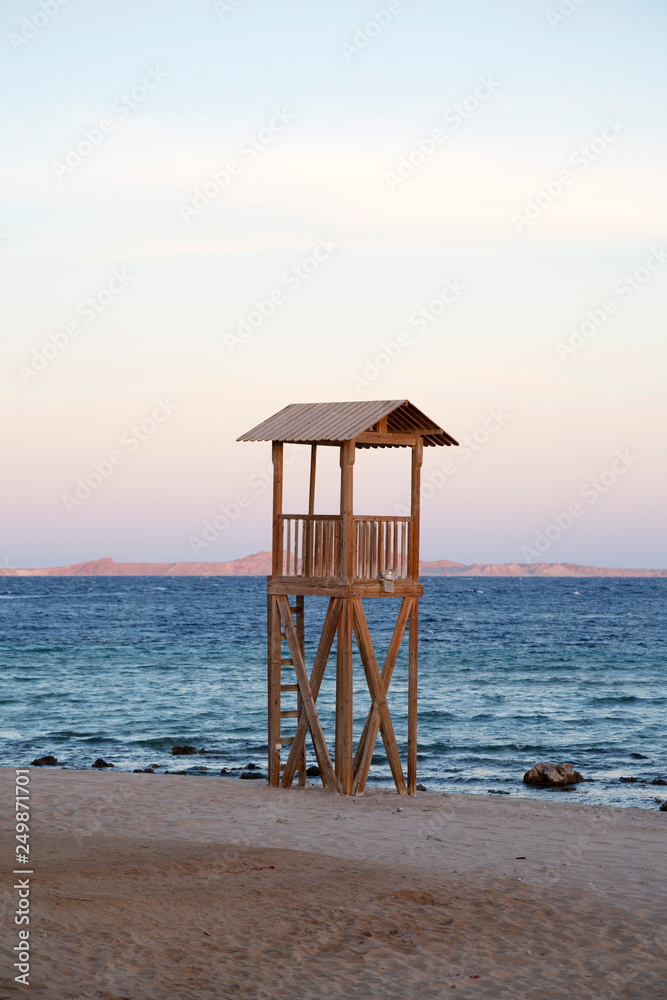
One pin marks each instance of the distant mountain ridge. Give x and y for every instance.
(259, 564)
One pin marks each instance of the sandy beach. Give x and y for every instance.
(169, 887)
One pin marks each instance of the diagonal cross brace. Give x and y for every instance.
(319, 744)
(319, 666)
(378, 693)
(364, 755)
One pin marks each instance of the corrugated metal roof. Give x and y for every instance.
(308, 422)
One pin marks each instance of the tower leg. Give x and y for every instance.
(301, 636)
(412, 697)
(274, 674)
(344, 701)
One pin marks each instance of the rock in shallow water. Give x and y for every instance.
(178, 750)
(663, 807)
(251, 774)
(313, 771)
(47, 761)
(101, 763)
(550, 775)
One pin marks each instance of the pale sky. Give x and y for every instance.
(484, 180)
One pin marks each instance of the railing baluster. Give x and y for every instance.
(311, 528)
(327, 543)
(336, 550)
(297, 537)
(362, 560)
(380, 547)
(288, 546)
(387, 561)
(404, 531)
(374, 549)
(326, 549)
(324, 565)
(357, 546)
(317, 562)
(371, 542)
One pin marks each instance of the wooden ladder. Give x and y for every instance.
(280, 685)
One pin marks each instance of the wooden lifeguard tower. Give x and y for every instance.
(344, 558)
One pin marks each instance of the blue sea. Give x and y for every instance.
(512, 672)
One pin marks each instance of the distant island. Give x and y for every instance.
(259, 564)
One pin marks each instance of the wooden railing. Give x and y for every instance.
(382, 543)
(311, 546)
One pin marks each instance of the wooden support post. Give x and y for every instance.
(308, 567)
(274, 672)
(347, 452)
(277, 558)
(413, 643)
(417, 456)
(344, 700)
(344, 755)
(301, 636)
(311, 490)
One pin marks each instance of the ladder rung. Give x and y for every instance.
(286, 740)
(290, 714)
(288, 662)
(293, 610)
(289, 687)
